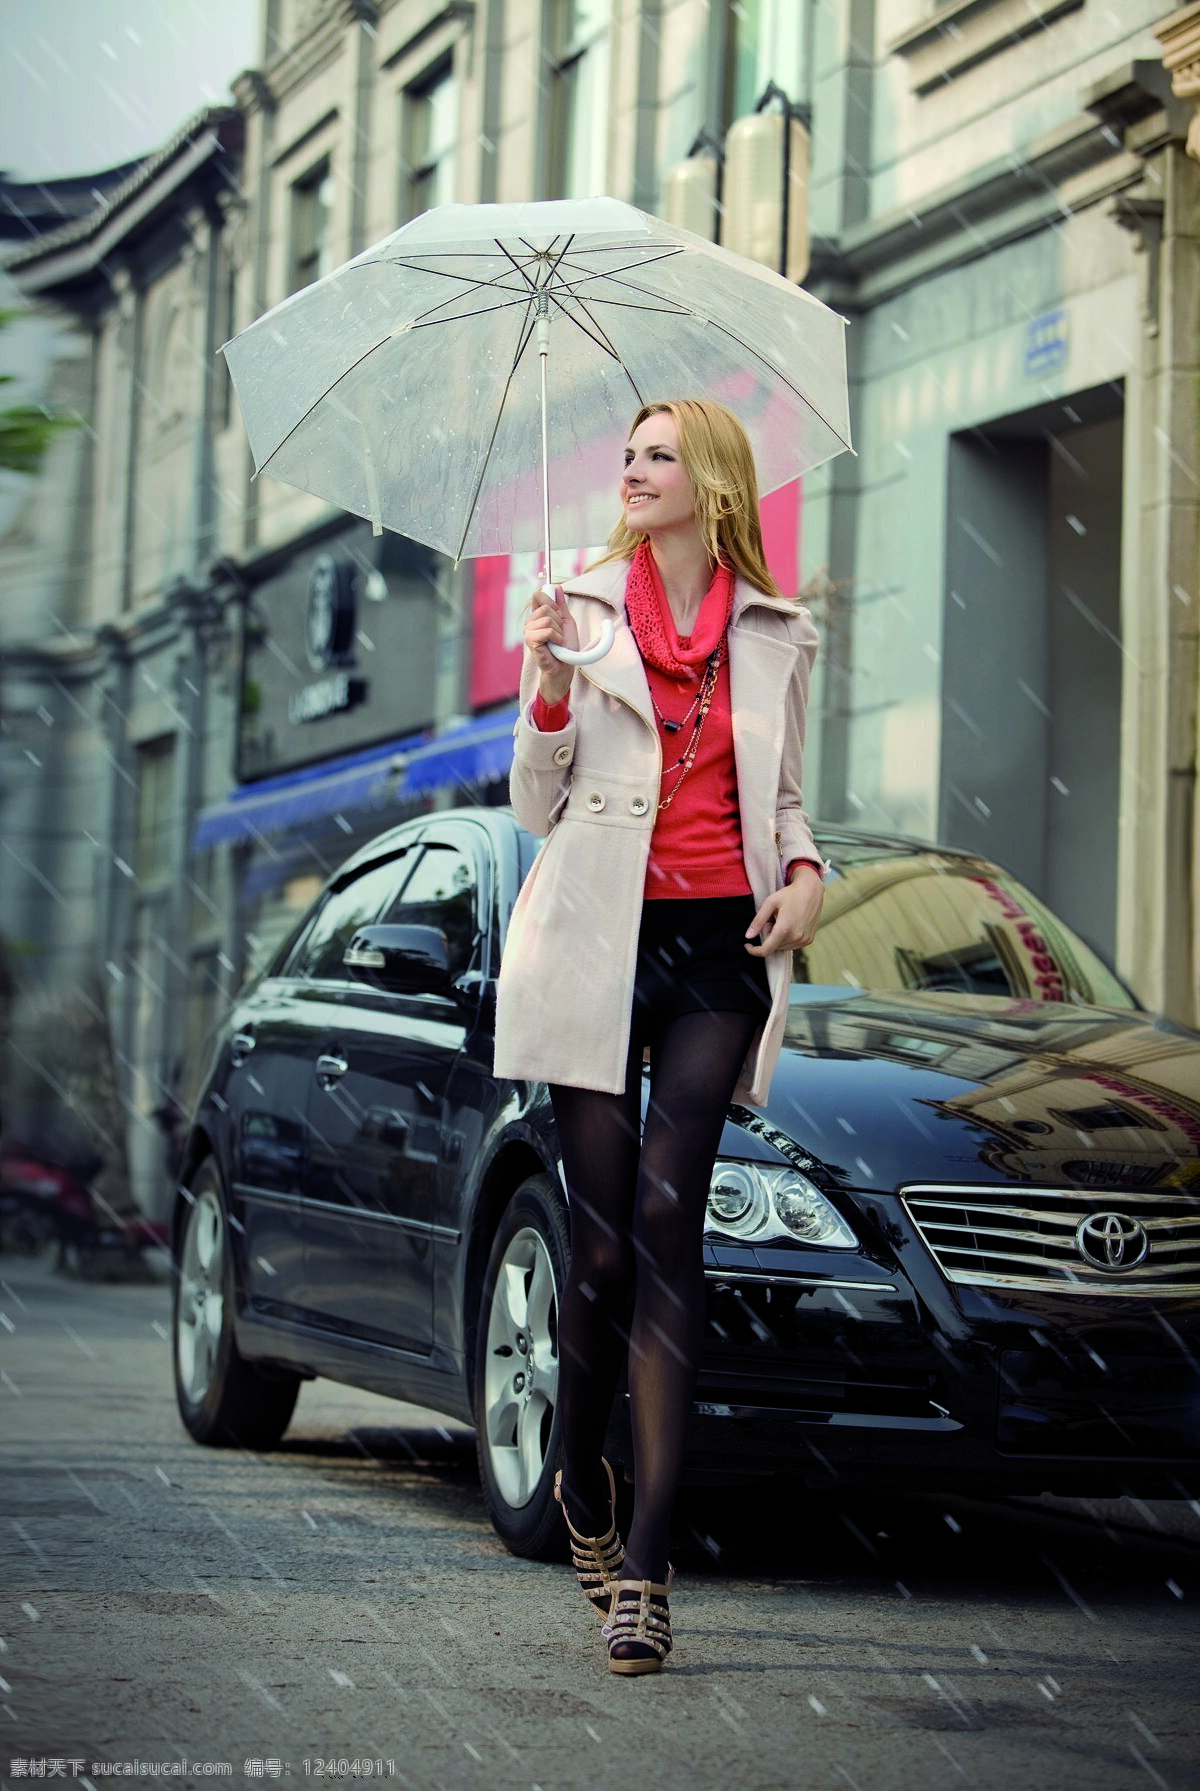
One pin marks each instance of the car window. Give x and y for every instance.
(923, 920)
(345, 908)
(441, 893)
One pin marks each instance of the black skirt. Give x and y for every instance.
(692, 958)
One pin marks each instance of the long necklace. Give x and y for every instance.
(673, 727)
(702, 701)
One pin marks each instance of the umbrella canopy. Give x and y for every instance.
(405, 386)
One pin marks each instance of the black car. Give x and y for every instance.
(960, 1248)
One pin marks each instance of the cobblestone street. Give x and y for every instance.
(344, 1600)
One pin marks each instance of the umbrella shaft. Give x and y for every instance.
(543, 346)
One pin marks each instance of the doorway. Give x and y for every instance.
(1032, 656)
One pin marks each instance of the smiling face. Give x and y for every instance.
(656, 489)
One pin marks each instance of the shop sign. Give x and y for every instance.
(330, 624)
(340, 650)
(326, 697)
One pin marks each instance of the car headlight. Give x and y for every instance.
(756, 1204)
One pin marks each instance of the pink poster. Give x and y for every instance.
(503, 584)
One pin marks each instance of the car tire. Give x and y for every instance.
(222, 1398)
(517, 1425)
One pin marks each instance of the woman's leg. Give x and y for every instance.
(599, 1135)
(695, 1063)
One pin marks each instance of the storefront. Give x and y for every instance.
(336, 738)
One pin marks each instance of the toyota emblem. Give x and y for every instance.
(1112, 1242)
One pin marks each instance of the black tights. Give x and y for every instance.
(636, 1282)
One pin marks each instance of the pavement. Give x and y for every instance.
(344, 1600)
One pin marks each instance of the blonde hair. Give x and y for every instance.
(719, 460)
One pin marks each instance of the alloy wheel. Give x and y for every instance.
(521, 1373)
(201, 1309)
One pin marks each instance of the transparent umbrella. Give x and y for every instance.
(469, 381)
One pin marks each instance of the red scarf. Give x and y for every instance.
(679, 655)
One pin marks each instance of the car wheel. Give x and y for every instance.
(516, 1370)
(222, 1398)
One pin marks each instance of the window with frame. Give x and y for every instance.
(312, 226)
(765, 43)
(578, 38)
(155, 808)
(318, 954)
(441, 893)
(430, 139)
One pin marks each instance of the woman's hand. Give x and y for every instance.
(790, 916)
(548, 622)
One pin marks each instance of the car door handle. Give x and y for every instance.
(240, 1047)
(329, 1069)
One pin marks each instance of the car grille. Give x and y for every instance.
(1029, 1238)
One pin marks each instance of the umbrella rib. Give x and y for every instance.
(429, 322)
(632, 286)
(469, 286)
(320, 399)
(599, 338)
(603, 337)
(358, 363)
(713, 323)
(646, 248)
(803, 396)
(532, 284)
(612, 272)
(628, 305)
(521, 347)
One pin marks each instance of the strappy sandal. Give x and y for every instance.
(640, 1618)
(597, 1560)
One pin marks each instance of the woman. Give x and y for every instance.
(678, 875)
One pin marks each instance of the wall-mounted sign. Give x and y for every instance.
(1045, 344)
(341, 653)
(332, 604)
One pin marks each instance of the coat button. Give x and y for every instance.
(596, 801)
(562, 755)
(638, 805)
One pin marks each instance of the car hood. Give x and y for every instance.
(884, 1090)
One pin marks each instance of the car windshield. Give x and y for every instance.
(913, 918)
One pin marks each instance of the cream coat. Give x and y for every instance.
(566, 980)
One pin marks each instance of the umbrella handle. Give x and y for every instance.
(585, 655)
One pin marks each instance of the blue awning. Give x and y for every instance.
(478, 752)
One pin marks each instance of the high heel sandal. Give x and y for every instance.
(597, 1560)
(640, 1617)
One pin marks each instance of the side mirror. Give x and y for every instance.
(399, 959)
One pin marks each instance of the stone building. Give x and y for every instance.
(243, 683)
(117, 684)
(1011, 221)
(1001, 201)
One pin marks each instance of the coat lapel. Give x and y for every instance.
(761, 664)
(620, 673)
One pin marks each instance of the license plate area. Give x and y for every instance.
(1098, 1405)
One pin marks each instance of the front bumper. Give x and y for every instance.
(844, 1374)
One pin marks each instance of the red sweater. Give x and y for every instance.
(696, 846)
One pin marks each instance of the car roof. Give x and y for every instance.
(830, 836)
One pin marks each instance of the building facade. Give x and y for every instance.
(242, 683)
(1013, 231)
